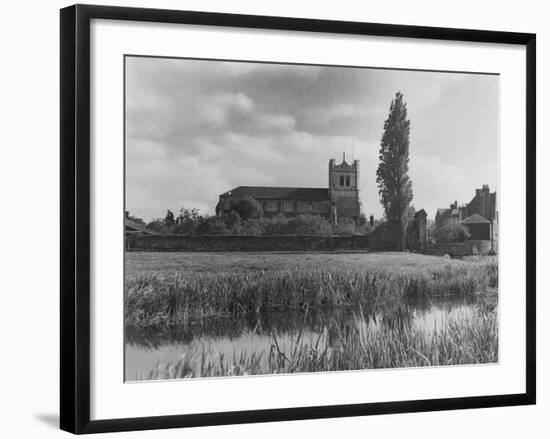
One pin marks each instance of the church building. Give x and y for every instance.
(340, 199)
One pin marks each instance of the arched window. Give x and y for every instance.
(347, 180)
(341, 180)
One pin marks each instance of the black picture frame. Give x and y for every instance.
(75, 217)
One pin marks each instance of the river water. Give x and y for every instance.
(232, 336)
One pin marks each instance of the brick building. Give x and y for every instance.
(479, 216)
(417, 236)
(340, 199)
(448, 215)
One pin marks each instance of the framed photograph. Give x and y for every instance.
(268, 218)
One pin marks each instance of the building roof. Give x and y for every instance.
(130, 225)
(289, 193)
(475, 219)
(134, 227)
(447, 212)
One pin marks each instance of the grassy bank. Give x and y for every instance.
(167, 264)
(162, 300)
(357, 347)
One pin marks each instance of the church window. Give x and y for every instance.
(347, 180)
(295, 206)
(341, 180)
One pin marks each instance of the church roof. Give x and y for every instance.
(289, 193)
(475, 219)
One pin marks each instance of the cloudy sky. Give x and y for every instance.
(196, 129)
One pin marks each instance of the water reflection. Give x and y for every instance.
(230, 335)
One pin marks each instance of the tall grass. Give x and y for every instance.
(154, 301)
(356, 347)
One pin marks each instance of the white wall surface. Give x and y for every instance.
(29, 218)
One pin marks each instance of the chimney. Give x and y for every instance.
(371, 220)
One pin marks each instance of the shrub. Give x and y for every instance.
(345, 226)
(157, 225)
(211, 225)
(308, 225)
(451, 233)
(276, 226)
(245, 219)
(245, 208)
(187, 222)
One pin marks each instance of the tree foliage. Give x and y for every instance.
(157, 225)
(450, 233)
(394, 184)
(245, 208)
(169, 219)
(191, 223)
(186, 221)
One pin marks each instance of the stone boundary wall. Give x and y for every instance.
(452, 249)
(468, 248)
(385, 237)
(483, 247)
(227, 243)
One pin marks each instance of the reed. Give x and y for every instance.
(461, 340)
(155, 301)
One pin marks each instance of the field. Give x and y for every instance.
(165, 291)
(170, 263)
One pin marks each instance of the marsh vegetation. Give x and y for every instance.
(197, 315)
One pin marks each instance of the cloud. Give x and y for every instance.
(195, 129)
(436, 184)
(215, 110)
(342, 112)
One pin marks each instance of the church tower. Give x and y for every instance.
(343, 184)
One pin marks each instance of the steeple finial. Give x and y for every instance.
(344, 159)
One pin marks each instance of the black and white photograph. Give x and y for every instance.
(288, 218)
(263, 219)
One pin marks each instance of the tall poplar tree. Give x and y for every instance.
(394, 184)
